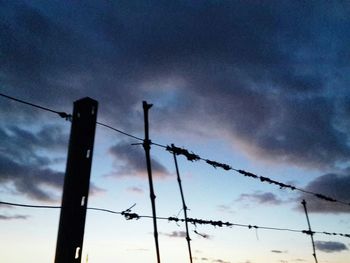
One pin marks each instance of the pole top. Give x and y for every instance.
(86, 100)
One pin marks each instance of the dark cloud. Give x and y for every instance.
(272, 76)
(19, 144)
(330, 246)
(22, 166)
(5, 217)
(130, 161)
(25, 159)
(332, 185)
(261, 198)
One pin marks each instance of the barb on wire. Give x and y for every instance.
(180, 151)
(217, 164)
(128, 215)
(200, 234)
(325, 198)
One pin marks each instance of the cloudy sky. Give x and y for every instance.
(260, 85)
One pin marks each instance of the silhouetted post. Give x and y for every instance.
(76, 183)
(310, 231)
(147, 147)
(184, 207)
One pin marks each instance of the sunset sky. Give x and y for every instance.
(262, 86)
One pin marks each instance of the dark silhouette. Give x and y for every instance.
(76, 183)
(147, 147)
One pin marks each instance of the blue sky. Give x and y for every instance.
(259, 85)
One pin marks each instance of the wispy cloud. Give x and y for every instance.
(278, 251)
(13, 217)
(175, 234)
(261, 198)
(225, 209)
(136, 190)
(220, 261)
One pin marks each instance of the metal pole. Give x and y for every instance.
(184, 207)
(310, 231)
(76, 183)
(147, 147)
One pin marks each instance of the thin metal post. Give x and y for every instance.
(310, 231)
(76, 183)
(184, 207)
(147, 147)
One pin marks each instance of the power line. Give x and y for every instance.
(128, 215)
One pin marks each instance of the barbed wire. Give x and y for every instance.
(190, 156)
(129, 215)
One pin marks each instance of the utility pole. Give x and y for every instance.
(76, 183)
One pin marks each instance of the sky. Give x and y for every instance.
(260, 85)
